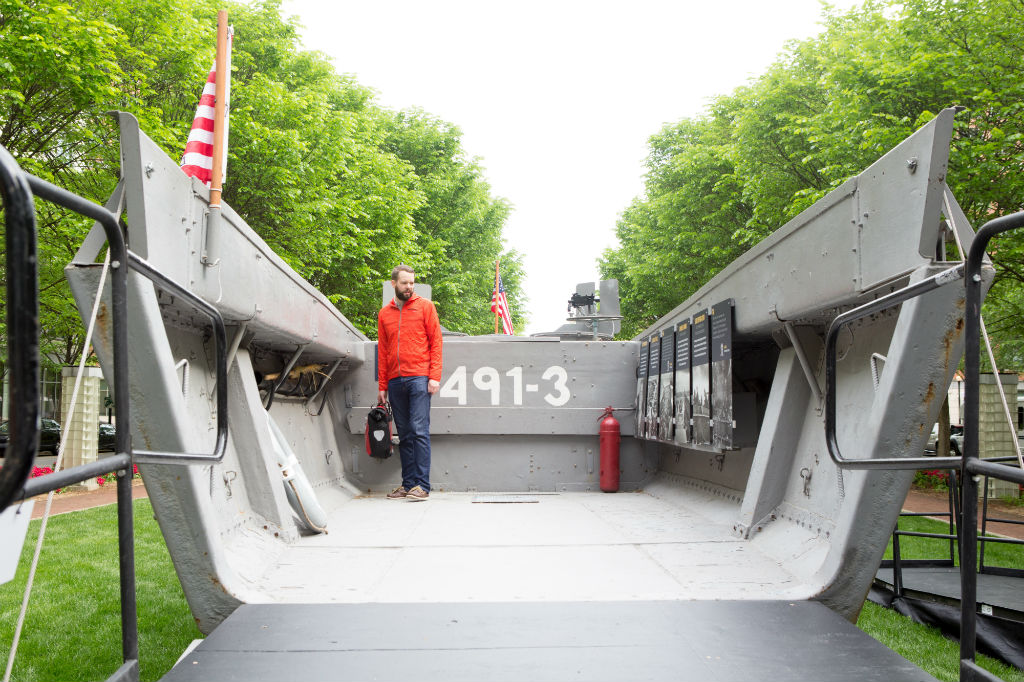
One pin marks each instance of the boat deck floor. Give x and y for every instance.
(576, 546)
(634, 641)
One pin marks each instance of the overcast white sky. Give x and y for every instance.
(558, 98)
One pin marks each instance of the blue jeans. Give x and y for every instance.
(410, 405)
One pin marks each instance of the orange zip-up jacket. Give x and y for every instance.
(408, 341)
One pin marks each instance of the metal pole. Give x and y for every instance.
(972, 361)
(494, 298)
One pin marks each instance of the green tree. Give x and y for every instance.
(825, 110)
(459, 225)
(315, 166)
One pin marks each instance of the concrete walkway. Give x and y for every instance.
(937, 501)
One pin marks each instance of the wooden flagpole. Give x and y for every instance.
(217, 179)
(494, 298)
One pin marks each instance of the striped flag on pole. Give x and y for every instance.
(499, 306)
(198, 159)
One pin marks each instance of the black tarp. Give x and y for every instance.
(997, 637)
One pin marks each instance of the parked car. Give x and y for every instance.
(49, 436)
(105, 440)
(956, 440)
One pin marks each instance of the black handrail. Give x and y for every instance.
(953, 274)
(22, 327)
(971, 464)
(221, 351)
(119, 255)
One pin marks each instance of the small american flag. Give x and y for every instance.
(499, 304)
(198, 159)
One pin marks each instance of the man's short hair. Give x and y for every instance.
(401, 268)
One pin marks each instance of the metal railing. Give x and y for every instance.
(119, 256)
(17, 189)
(898, 563)
(985, 538)
(970, 466)
(953, 274)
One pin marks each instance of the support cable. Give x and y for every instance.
(984, 335)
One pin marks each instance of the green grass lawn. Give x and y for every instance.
(73, 626)
(996, 554)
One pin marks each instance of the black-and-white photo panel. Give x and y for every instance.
(700, 377)
(653, 379)
(666, 390)
(721, 375)
(639, 424)
(681, 434)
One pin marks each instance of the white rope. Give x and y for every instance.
(988, 343)
(56, 467)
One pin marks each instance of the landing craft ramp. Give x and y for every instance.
(729, 498)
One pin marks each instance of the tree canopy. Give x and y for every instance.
(827, 108)
(342, 188)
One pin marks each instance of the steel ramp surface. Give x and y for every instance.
(537, 641)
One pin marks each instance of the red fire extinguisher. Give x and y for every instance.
(609, 451)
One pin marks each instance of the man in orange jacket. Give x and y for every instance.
(409, 372)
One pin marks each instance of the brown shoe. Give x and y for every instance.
(417, 494)
(398, 493)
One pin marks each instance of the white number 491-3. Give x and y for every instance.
(488, 380)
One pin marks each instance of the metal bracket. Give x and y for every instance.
(806, 474)
(236, 341)
(812, 380)
(875, 357)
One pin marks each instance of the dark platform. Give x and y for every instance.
(1002, 595)
(931, 595)
(665, 640)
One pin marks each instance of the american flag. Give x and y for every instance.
(499, 304)
(198, 158)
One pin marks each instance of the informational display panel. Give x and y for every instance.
(681, 434)
(665, 404)
(639, 422)
(721, 375)
(653, 380)
(700, 378)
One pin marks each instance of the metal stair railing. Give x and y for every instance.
(17, 189)
(970, 465)
(984, 538)
(898, 563)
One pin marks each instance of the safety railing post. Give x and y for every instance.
(970, 466)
